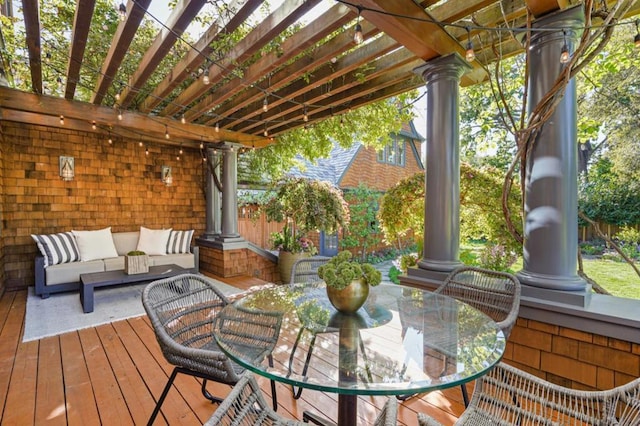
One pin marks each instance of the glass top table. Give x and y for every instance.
(402, 341)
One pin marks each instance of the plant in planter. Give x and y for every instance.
(136, 262)
(304, 205)
(348, 281)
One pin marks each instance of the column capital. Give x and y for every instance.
(448, 67)
(564, 23)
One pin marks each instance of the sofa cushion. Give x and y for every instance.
(114, 264)
(187, 261)
(70, 272)
(179, 242)
(153, 241)
(57, 248)
(125, 241)
(95, 244)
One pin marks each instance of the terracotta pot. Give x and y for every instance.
(286, 259)
(350, 298)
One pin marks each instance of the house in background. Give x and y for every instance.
(377, 170)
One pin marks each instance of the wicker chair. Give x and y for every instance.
(306, 270)
(182, 310)
(245, 405)
(497, 294)
(508, 396)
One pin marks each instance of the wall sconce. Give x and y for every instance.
(167, 177)
(67, 168)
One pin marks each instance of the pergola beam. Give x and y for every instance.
(176, 24)
(81, 26)
(32, 29)
(119, 46)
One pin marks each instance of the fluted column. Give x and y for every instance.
(229, 194)
(442, 182)
(551, 186)
(214, 214)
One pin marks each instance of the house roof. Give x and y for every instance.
(333, 168)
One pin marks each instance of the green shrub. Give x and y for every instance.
(394, 273)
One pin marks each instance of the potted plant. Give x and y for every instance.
(348, 281)
(304, 205)
(136, 262)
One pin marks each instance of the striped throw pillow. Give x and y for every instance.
(57, 248)
(179, 242)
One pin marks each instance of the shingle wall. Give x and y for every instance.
(115, 185)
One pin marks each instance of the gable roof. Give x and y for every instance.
(330, 169)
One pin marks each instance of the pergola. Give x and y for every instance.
(317, 72)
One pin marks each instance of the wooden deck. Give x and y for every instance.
(112, 375)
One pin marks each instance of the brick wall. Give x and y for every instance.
(366, 169)
(115, 185)
(572, 358)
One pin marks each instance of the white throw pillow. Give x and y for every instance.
(95, 244)
(153, 241)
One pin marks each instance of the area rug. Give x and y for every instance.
(62, 312)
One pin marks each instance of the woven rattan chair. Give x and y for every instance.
(508, 396)
(182, 310)
(306, 270)
(245, 405)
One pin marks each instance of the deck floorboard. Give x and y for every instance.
(114, 373)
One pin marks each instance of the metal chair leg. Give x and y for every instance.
(156, 410)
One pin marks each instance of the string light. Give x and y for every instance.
(146, 150)
(140, 144)
(180, 152)
(265, 105)
(183, 120)
(122, 10)
(119, 114)
(305, 117)
(166, 132)
(117, 96)
(93, 125)
(470, 54)
(357, 35)
(205, 78)
(564, 52)
(636, 39)
(201, 143)
(217, 127)
(266, 132)
(62, 119)
(110, 139)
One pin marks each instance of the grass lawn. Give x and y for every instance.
(618, 278)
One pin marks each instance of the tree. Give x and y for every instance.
(402, 207)
(363, 230)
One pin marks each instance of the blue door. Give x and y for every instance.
(328, 244)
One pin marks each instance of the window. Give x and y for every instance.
(393, 153)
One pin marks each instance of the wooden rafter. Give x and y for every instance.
(196, 56)
(119, 46)
(261, 35)
(32, 29)
(176, 24)
(300, 41)
(81, 26)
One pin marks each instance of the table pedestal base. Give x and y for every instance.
(347, 413)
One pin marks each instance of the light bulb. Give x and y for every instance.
(122, 10)
(146, 151)
(110, 140)
(118, 96)
(166, 132)
(470, 54)
(62, 119)
(217, 127)
(180, 152)
(140, 144)
(120, 115)
(265, 105)
(205, 79)
(93, 124)
(564, 54)
(183, 120)
(357, 35)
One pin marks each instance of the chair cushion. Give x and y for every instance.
(153, 241)
(179, 242)
(57, 248)
(95, 244)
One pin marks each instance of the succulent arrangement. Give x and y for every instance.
(340, 271)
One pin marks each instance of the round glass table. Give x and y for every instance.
(401, 342)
